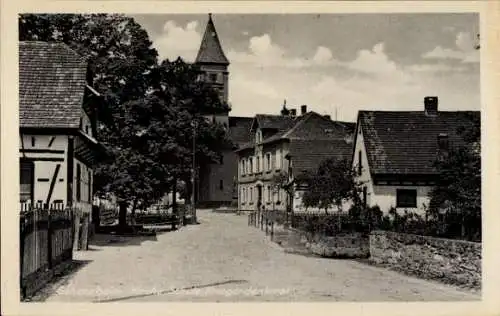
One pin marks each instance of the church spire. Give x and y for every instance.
(210, 49)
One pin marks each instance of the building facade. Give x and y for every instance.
(395, 151)
(283, 148)
(57, 145)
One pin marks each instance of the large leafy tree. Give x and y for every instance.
(149, 107)
(458, 191)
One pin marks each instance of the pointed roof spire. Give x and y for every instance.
(210, 48)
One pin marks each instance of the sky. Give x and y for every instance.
(335, 64)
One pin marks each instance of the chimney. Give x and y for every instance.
(327, 117)
(303, 109)
(431, 106)
(285, 111)
(293, 112)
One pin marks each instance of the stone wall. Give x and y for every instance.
(450, 261)
(344, 245)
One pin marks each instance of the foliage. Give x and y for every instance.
(458, 189)
(332, 184)
(149, 106)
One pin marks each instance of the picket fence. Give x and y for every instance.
(46, 240)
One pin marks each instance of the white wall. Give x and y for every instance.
(385, 197)
(44, 170)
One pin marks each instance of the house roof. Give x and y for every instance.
(308, 154)
(52, 81)
(309, 127)
(211, 49)
(406, 142)
(239, 129)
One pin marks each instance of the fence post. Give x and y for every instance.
(22, 225)
(49, 236)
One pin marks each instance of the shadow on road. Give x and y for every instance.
(60, 278)
(105, 240)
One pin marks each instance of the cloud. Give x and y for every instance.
(263, 52)
(176, 40)
(373, 61)
(464, 50)
(265, 73)
(322, 55)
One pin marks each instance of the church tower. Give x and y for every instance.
(213, 65)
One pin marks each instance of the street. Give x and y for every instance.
(224, 260)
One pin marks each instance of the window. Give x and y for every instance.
(242, 195)
(258, 164)
(406, 198)
(26, 180)
(213, 77)
(78, 182)
(360, 166)
(86, 129)
(251, 165)
(269, 191)
(268, 161)
(221, 160)
(221, 185)
(251, 195)
(278, 159)
(243, 167)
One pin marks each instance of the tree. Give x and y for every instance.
(458, 190)
(332, 184)
(149, 107)
(120, 58)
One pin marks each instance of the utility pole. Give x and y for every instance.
(193, 173)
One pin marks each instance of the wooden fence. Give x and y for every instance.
(46, 240)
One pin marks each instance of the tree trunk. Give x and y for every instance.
(85, 232)
(122, 216)
(174, 196)
(132, 216)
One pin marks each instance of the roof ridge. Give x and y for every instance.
(306, 117)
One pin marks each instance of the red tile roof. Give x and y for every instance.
(406, 142)
(211, 49)
(52, 81)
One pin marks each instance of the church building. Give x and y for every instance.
(217, 182)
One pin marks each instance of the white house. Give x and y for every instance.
(395, 152)
(57, 145)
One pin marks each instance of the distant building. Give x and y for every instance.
(395, 152)
(286, 146)
(217, 183)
